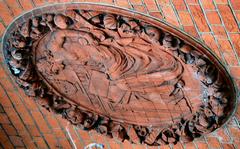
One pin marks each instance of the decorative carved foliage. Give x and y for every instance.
(119, 76)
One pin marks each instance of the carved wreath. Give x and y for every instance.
(20, 55)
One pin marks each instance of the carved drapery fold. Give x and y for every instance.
(124, 77)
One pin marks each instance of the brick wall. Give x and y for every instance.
(24, 124)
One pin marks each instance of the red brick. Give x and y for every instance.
(1, 109)
(190, 2)
(4, 140)
(190, 145)
(191, 30)
(28, 101)
(228, 146)
(27, 119)
(208, 4)
(136, 2)
(107, 1)
(150, 147)
(232, 122)
(151, 5)
(40, 142)
(221, 1)
(98, 138)
(78, 0)
(139, 8)
(224, 45)
(163, 2)
(4, 119)
(213, 142)
(28, 141)
(235, 132)
(15, 8)
(33, 130)
(63, 122)
(62, 0)
(2, 72)
(228, 18)
(51, 140)
(15, 119)
(26, 4)
(165, 147)
(17, 141)
(94, 1)
(9, 129)
(43, 110)
(202, 145)
(55, 1)
(178, 146)
(59, 133)
(70, 131)
(38, 2)
(237, 13)
(213, 17)
(235, 4)
(156, 14)
(14, 98)
(114, 144)
(123, 3)
(230, 58)
(7, 84)
(179, 5)
(209, 40)
(2, 28)
(199, 18)
(53, 122)
(170, 15)
(236, 143)
(40, 122)
(238, 108)
(5, 13)
(223, 136)
(219, 32)
(185, 18)
(85, 136)
(65, 143)
(127, 145)
(25, 115)
(23, 132)
(1, 59)
(236, 42)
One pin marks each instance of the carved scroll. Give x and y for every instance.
(123, 77)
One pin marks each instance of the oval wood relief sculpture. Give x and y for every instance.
(120, 73)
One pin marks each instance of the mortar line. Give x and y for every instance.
(209, 24)
(176, 14)
(70, 137)
(194, 22)
(14, 109)
(24, 104)
(233, 12)
(228, 36)
(79, 136)
(160, 10)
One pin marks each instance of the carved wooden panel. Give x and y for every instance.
(123, 74)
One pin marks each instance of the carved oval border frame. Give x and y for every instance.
(140, 16)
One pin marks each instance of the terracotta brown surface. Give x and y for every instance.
(28, 125)
(124, 77)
